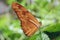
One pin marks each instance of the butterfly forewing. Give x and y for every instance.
(28, 22)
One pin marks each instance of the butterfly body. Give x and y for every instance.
(28, 22)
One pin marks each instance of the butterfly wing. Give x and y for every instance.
(29, 23)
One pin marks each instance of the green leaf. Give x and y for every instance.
(39, 36)
(58, 38)
(52, 28)
(10, 1)
(16, 23)
(14, 36)
(3, 21)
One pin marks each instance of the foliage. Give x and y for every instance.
(48, 12)
(42, 36)
(54, 27)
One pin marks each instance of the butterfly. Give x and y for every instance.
(28, 22)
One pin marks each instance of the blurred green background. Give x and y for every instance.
(46, 11)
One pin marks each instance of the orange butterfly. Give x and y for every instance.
(28, 22)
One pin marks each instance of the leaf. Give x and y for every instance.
(14, 36)
(58, 38)
(39, 36)
(10, 1)
(3, 21)
(52, 28)
(45, 37)
(16, 23)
